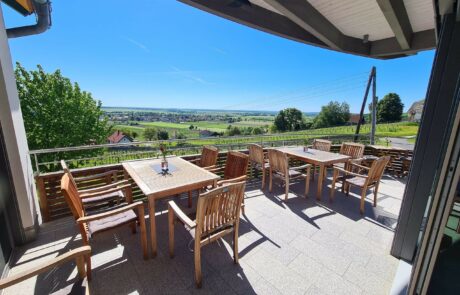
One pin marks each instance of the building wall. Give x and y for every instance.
(125, 140)
(15, 141)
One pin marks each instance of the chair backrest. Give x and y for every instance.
(377, 169)
(70, 192)
(236, 165)
(322, 145)
(219, 209)
(354, 150)
(66, 169)
(256, 154)
(209, 156)
(278, 161)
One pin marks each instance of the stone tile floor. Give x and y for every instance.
(301, 246)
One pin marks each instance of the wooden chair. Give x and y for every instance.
(208, 157)
(208, 160)
(114, 217)
(321, 145)
(109, 179)
(365, 182)
(279, 167)
(354, 150)
(235, 169)
(217, 215)
(258, 160)
(79, 255)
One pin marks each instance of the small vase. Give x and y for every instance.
(164, 165)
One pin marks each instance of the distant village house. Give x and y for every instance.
(415, 111)
(206, 133)
(119, 137)
(354, 119)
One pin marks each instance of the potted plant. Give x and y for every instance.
(164, 161)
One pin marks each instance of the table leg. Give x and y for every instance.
(319, 191)
(153, 228)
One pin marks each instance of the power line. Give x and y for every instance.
(297, 94)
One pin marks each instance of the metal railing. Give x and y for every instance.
(48, 160)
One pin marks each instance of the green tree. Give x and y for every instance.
(163, 135)
(289, 119)
(257, 131)
(56, 112)
(150, 133)
(181, 135)
(389, 108)
(191, 127)
(332, 114)
(232, 131)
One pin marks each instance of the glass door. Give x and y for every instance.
(6, 198)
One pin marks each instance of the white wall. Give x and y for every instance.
(15, 139)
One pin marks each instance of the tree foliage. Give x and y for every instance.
(150, 133)
(289, 119)
(56, 112)
(332, 114)
(163, 135)
(389, 108)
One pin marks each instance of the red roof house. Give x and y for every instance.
(119, 137)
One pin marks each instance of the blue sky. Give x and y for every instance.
(168, 54)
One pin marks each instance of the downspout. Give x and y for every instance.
(43, 12)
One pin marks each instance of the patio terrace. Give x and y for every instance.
(302, 246)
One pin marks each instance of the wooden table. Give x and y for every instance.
(316, 157)
(184, 177)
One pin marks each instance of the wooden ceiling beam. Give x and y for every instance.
(396, 15)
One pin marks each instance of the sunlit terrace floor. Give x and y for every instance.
(296, 247)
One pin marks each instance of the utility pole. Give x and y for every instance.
(363, 106)
(374, 107)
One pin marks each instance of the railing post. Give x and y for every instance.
(36, 163)
(42, 198)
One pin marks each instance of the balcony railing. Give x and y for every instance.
(90, 160)
(47, 160)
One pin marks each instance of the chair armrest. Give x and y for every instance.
(172, 206)
(22, 276)
(112, 173)
(196, 160)
(103, 192)
(232, 180)
(104, 187)
(356, 161)
(349, 172)
(359, 166)
(132, 206)
(209, 168)
(300, 167)
(215, 169)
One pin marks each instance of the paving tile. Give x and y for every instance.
(306, 267)
(383, 266)
(283, 278)
(342, 247)
(329, 282)
(368, 281)
(301, 246)
(327, 257)
(263, 287)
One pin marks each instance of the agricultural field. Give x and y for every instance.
(402, 129)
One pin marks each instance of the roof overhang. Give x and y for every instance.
(380, 29)
(24, 7)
